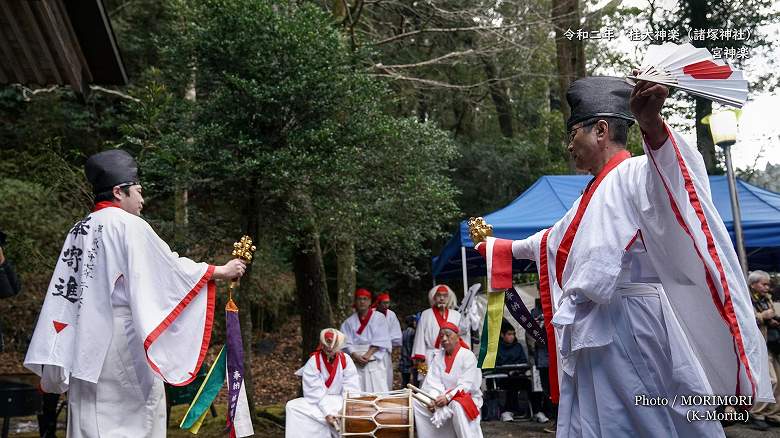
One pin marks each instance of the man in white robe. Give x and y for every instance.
(328, 376)
(426, 338)
(454, 380)
(639, 279)
(382, 305)
(368, 342)
(122, 313)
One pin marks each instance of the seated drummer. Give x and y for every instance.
(328, 376)
(510, 352)
(454, 379)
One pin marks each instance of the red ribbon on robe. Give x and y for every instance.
(364, 321)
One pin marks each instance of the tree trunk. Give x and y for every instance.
(699, 11)
(243, 299)
(570, 54)
(346, 281)
(500, 96)
(311, 288)
(180, 192)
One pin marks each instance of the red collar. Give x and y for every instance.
(364, 320)
(449, 359)
(103, 204)
(332, 366)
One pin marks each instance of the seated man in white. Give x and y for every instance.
(327, 376)
(454, 379)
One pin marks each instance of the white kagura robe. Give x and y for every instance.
(394, 326)
(450, 376)
(648, 299)
(373, 332)
(122, 314)
(426, 336)
(323, 395)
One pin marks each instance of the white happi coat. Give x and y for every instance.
(463, 376)
(373, 376)
(122, 314)
(394, 326)
(305, 416)
(648, 299)
(426, 336)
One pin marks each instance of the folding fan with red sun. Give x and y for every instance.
(695, 71)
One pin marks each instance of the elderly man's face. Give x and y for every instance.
(449, 339)
(761, 286)
(584, 146)
(440, 298)
(362, 303)
(328, 350)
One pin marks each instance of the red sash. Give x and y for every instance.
(546, 298)
(465, 400)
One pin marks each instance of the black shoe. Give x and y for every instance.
(759, 425)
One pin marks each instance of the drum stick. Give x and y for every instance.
(421, 398)
(419, 391)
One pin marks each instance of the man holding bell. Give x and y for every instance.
(639, 279)
(122, 314)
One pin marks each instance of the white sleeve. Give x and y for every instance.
(395, 329)
(351, 379)
(348, 335)
(418, 348)
(432, 384)
(527, 249)
(172, 300)
(380, 332)
(314, 389)
(471, 378)
(54, 380)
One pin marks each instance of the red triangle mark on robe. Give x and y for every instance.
(58, 326)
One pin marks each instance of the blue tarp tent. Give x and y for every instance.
(548, 199)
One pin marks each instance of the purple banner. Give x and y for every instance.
(235, 364)
(521, 314)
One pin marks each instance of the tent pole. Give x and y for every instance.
(465, 273)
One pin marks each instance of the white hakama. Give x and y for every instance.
(305, 416)
(463, 376)
(361, 337)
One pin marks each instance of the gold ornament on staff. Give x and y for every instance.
(479, 230)
(244, 250)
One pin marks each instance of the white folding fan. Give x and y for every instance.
(695, 71)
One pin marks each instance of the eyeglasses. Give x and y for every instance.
(573, 132)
